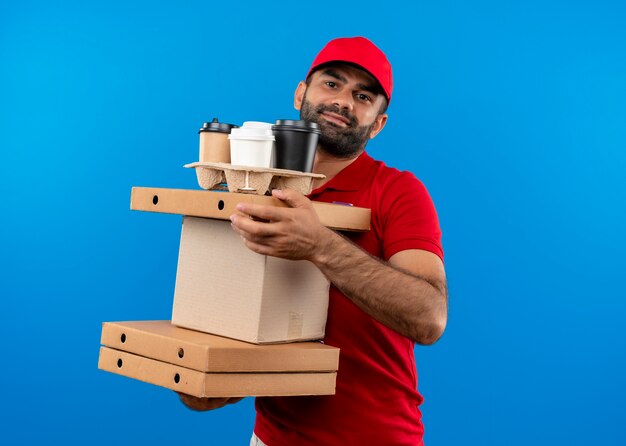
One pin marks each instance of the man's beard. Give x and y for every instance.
(341, 142)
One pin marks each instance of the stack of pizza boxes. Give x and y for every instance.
(243, 324)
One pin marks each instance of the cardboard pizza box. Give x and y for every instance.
(205, 365)
(163, 341)
(221, 205)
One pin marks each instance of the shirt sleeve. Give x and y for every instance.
(409, 218)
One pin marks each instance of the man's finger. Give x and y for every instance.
(202, 404)
(292, 198)
(258, 248)
(249, 228)
(260, 211)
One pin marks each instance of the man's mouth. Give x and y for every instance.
(336, 119)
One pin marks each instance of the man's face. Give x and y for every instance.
(342, 100)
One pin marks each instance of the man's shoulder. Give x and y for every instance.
(386, 176)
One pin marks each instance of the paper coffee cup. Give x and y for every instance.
(252, 144)
(296, 144)
(214, 144)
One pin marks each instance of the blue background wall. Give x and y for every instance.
(512, 113)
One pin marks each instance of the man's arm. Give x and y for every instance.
(407, 294)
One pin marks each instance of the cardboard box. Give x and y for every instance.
(221, 205)
(163, 341)
(224, 288)
(205, 365)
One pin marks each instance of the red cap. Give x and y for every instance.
(361, 52)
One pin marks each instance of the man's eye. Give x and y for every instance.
(364, 97)
(331, 84)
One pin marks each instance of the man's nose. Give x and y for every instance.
(343, 99)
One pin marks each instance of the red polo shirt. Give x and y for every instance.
(376, 402)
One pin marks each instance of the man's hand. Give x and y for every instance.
(408, 293)
(202, 404)
(292, 233)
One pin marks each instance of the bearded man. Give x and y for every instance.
(388, 285)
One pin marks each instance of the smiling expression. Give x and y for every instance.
(345, 102)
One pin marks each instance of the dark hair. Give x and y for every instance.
(379, 90)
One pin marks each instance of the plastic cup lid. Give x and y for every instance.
(252, 132)
(298, 125)
(257, 125)
(216, 126)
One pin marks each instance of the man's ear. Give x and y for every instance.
(298, 96)
(379, 124)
